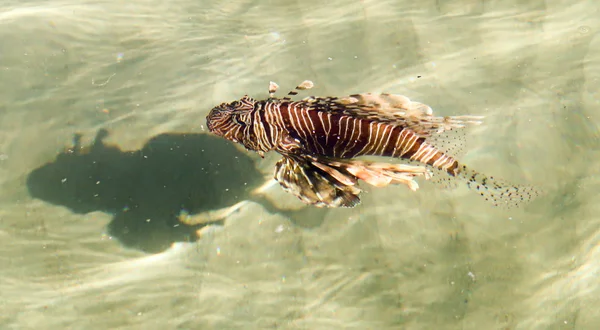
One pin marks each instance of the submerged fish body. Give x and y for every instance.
(321, 137)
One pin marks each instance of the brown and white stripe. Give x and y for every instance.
(320, 126)
(320, 136)
(338, 135)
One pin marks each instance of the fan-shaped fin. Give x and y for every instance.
(334, 183)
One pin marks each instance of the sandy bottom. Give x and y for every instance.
(103, 147)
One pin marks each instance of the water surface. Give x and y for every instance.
(89, 237)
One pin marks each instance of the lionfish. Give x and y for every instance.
(321, 137)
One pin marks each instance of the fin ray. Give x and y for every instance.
(334, 182)
(382, 174)
(316, 185)
(394, 109)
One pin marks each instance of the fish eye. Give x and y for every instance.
(237, 121)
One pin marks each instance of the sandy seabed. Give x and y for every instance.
(103, 144)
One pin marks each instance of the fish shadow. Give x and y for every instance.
(147, 189)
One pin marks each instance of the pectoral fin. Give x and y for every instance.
(383, 174)
(317, 185)
(326, 182)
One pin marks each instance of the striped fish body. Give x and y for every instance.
(324, 131)
(321, 137)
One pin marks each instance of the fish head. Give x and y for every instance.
(231, 120)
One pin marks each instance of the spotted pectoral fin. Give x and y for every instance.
(315, 183)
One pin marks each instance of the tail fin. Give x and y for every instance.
(498, 192)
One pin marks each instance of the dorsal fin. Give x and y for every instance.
(393, 109)
(273, 87)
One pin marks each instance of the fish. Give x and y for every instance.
(322, 139)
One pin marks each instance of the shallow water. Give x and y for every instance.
(90, 238)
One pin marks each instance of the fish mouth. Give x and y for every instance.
(209, 124)
(212, 128)
(210, 120)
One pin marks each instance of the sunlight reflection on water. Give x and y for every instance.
(437, 258)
